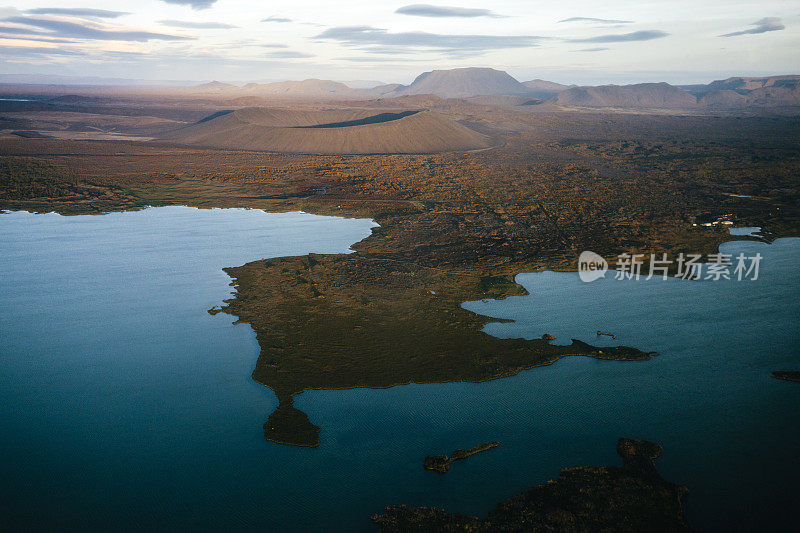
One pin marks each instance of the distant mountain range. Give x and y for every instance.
(487, 83)
(773, 91)
(544, 89)
(651, 95)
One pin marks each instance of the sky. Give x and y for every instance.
(582, 42)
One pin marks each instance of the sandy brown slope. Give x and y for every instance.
(299, 131)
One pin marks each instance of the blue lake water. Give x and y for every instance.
(124, 405)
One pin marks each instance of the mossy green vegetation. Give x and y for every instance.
(343, 321)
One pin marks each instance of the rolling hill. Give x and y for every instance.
(311, 88)
(744, 85)
(340, 131)
(642, 95)
(544, 88)
(771, 91)
(214, 86)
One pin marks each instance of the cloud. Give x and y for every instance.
(276, 19)
(59, 28)
(196, 25)
(288, 54)
(274, 45)
(388, 50)
(195, 4)
(28, 51)
(381, 60)
(427, 10)
(645, 35)
(77, 12)
(457, 45)
(10, 33)
(591, 49)
(601, 21)
(761, 26)
(28, 34)
(19, 31)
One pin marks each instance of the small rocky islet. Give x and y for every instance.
(441, 463)
(630, 497)
(787, 375)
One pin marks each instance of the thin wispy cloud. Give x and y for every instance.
(389, 50)
(33, 38)
(60, 28)
(280, 20)
(645, 35)
(77, 12)
(16, 30)
(427, 10)
(592, 19)
(760, 26)
(381, 60)
(30, 51)
(366, 36)
(196, 25)
(288, 54)
(194, 4)
(194, 39)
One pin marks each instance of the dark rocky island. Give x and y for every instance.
(788, 375)
(441, 463)
(631, 497)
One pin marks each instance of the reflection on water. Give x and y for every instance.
(123, 400)
(726, 425)
(748, 231)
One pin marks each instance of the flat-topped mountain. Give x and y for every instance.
(338, 131)
(464, 82)
(643, 95)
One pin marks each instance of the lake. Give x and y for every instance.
(125, 405)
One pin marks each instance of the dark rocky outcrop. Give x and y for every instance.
(631, 497)
(441, 463)
(788, 375)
